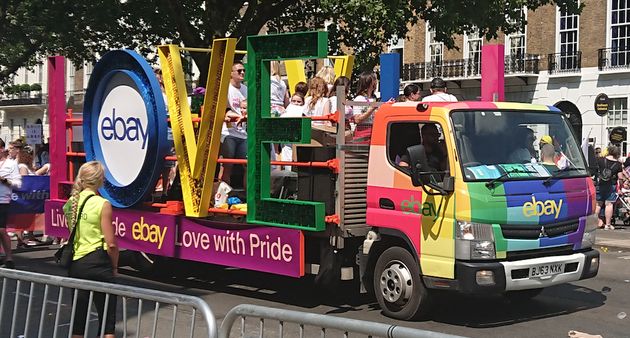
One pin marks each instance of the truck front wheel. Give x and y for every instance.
(398, 287)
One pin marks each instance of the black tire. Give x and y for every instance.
(398, 287)
(518, 296)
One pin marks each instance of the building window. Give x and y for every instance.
(472, 52)
(620, 33)
(568, 29)
(435, 50)
(71, 72)
(618, 112)
(88, 69)
(515, 43)
(40, 74)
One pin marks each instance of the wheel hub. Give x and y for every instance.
(396, 284)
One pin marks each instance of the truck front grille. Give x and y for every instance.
(538, 231)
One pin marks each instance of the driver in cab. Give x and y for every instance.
(434, 148)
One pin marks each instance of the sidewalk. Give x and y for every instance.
(618, 238)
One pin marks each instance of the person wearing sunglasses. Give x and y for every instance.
(234, 135)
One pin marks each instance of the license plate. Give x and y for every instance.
(546, 270)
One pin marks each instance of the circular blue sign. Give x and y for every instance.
(125, 126)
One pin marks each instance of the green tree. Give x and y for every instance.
(17, 89)
(30, 29)
(81, 29)
(363, 26)
(36, 87)
(25, 88)
(8, 90)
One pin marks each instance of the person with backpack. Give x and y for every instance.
(609, 171)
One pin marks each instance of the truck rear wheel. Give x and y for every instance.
(398, 287)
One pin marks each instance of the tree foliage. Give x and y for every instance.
(82, 29)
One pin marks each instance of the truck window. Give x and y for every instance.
(402, 135)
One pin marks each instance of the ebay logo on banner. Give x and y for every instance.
(140, 231)
(267, 249)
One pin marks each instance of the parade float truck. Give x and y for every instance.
(381, 212)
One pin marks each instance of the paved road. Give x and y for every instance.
(590, 306)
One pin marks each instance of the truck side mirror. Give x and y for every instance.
(425, 176)
(419, 165)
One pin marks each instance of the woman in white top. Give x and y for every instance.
(317, 104)
(279, 92)
(342, 81)
(25, 161)
(363, 115)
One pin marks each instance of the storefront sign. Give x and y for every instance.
(617, 135)
(602, 104)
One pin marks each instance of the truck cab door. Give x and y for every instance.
(394, 203)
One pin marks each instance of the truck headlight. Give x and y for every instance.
(474, 241)
(588, 240)
(591, 222)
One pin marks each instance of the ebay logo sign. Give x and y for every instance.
(125, 126)
(122, 125)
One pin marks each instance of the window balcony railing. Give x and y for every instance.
(561, 63)
(461, 68)
(21, 101)
(467, 68)
(613, 58)
(522, 64)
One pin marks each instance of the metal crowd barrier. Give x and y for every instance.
(20, 287)
(29, 304)
(322, 325)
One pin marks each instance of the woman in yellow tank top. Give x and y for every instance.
(95, 248)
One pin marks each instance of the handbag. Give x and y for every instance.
(64, 255)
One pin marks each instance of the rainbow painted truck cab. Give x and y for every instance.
(495, 199)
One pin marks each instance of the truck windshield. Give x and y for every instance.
(516, 145)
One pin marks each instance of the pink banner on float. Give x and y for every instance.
(267, 249)
(260, 248)
(493, 73)
(139, 231)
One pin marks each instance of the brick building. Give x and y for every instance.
(559, 59)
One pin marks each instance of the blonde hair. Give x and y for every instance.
(91, 175)
(275, 69)
(316, 89)
(328, 74)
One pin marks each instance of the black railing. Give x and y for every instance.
(461, 68)
(560, 63)
(466, 68)
(519, 63)
(613, 58)
(21, 101)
